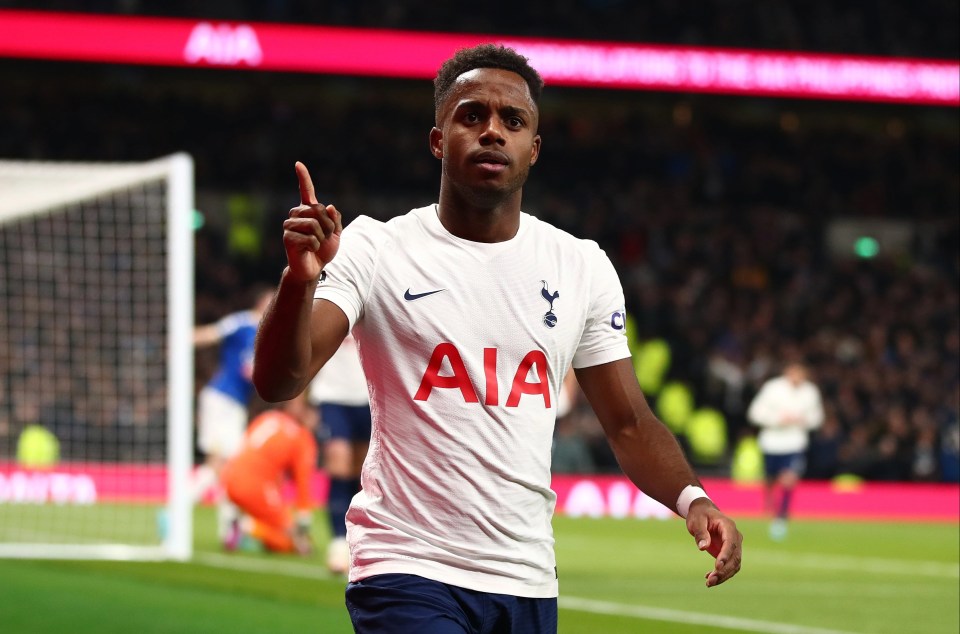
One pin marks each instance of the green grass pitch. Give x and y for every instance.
(616, 577)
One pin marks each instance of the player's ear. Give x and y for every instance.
(436, 142)
(535, 150)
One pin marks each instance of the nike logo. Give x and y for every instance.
(411, 296)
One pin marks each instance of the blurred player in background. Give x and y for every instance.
(570, 452)
(569, 392)
(467, 314)
(278, 445)
(222, 405)
(787, 408)
(340, 392)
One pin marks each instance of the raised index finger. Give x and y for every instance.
(307, 195)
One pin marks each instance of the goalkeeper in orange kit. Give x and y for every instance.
(278, 444)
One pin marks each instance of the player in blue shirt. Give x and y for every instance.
(222, 405)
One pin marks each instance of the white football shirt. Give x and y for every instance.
(341, 381)
(464, 345)
(777, 398)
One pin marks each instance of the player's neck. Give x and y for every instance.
(496, 222)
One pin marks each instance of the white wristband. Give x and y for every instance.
(687, 496)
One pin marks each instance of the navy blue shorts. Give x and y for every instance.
(775, 464)
(349, 422)
(408, 604)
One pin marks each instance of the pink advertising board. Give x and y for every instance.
(578, 496)
(255, 46)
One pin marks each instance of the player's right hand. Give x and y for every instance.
(718, 535)
(311, 235)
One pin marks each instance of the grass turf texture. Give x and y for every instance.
(616, 576)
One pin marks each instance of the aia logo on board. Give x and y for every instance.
(223, 45)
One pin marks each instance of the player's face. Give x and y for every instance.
(487, 134)
(796, 374)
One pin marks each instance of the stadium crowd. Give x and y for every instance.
(716, 211)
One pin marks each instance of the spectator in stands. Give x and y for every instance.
(823, 455)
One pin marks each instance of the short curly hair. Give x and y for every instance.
(483, 56)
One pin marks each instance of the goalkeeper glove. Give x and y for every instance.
(304, 521)
(302, 539)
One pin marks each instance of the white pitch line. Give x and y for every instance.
(690, 618)
(860, 564)
(264, 566)
(309, 571)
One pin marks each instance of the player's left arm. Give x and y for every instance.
(650, 456)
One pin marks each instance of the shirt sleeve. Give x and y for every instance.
(604, 336)
(347, 278)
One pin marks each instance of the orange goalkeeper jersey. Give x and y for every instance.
(275, 444)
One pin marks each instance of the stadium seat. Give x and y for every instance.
(674, 406)
(746, 466)
(706, 433)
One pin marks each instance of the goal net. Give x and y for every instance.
(96, 359)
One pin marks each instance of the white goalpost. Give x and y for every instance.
(96, 359)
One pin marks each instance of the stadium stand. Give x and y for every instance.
(719, 212)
